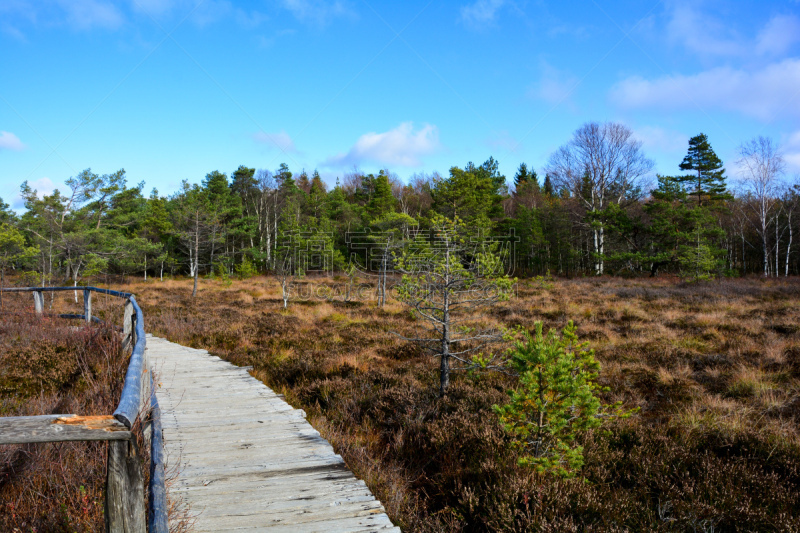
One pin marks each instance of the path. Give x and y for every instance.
(247, 461)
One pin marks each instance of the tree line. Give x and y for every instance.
(594, 208)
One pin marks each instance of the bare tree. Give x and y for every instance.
(603, 163)
(791, 201)
(266, 212)
(445, 280)
(761, 164)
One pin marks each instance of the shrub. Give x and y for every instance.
(555, 400)
(246, 269)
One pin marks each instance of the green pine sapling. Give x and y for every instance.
(555, 400)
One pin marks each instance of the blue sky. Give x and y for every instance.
(173, 89)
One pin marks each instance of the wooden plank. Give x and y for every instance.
(60, 428)
(87, 306)
(323, 521)
(38, 302)
(124, 509)
(344, 479)
(248, 460)
(157, 519)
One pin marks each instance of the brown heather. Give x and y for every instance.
(55, 366)
(715, 369)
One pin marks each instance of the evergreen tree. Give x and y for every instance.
(522, 176)
(555, 401)
(243, 182)
(6, 214)
(547, 187)
(382, 201)
(317, 197)
(681, 233)
(13, 249)
(708, 182)
(303, 183)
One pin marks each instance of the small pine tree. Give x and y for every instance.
(555, 401)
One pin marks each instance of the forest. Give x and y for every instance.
(596, 207)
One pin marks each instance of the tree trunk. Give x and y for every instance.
(777, 248)
(789, 246)
(196, 253)
(602, 249)
(75, 270)
(444, 363)
(744, 263)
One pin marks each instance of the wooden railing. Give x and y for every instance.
(125, 507)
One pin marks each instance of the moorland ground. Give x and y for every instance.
(55, 366)
(713, 367)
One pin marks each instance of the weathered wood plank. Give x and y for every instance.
(157, 521)
(60, 428)
(124, 500)
(248, 460)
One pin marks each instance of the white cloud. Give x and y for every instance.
(709, 36)
(761, 94)
(77, 14)
(88, 14)
(401, 146)
(318, 12)
(779, 34)
(9, 141)
(701, 34)
(481, 12)
(280, 140)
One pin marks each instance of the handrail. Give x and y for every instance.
(123, 484)
(131, 398)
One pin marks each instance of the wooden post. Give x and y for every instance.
(38, 302)
(124, 502)
(129, 327)
(87, 305)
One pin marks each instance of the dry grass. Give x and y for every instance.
(714, 367)
(50, 366)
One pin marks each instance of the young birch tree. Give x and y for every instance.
(761, 164)
(604, 161)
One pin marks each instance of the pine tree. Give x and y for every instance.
(382, 200)
(303, 183)
(522, 176)
(556, 400)
(6, 214)
(708, 184)
(548, 188)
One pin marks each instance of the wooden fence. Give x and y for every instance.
(125, 508)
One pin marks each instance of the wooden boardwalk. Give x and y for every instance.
(247, 461)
